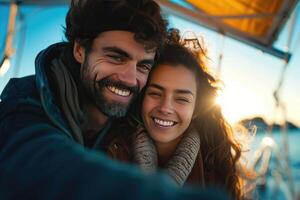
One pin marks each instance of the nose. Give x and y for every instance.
(166, 106)
(128, 74)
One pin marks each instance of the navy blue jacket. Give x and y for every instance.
(39, 158)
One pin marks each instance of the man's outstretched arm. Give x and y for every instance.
(37, 161)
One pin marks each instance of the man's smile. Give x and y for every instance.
(119, 91)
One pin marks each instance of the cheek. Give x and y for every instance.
(148, 106)
(142, 79)
(98, 69)
(187, 114)
(87, 71)
(145, 107)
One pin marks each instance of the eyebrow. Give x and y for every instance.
(117, 50)
(179, 91)
(147, 61)
(125, 54)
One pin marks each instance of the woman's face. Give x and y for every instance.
(169, 103)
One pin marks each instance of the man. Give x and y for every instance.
(52, 123)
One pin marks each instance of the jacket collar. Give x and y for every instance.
(42, 62)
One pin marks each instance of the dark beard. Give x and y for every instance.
(113, 109)
(94, 90)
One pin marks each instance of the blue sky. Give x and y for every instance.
(249, 76)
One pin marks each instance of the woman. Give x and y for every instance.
(180, 129)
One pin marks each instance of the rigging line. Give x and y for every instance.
(3, 45)
(291, 25)
(3, 38)
(22, 27)
(297, 44)
(296, 22)
(21, 45)
(221, 55)
(281, 106)
(13, 10)
(28, 16)
(291, 29)
(9, 50)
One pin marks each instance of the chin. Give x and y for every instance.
(162, 140)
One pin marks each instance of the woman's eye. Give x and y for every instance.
(183, 100)
(154, 94)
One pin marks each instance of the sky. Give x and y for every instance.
(249, 76)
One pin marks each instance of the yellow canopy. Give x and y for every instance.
(255, 22)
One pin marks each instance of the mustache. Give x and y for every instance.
(118, 84)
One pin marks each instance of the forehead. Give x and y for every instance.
(174, 77)
(123, 40)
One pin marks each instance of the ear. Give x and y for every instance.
(78, 52)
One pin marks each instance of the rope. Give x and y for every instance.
(21, 45)
(280, 106)
(263, 153)
(221, 54)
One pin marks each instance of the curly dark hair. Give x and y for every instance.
(219, 149)
(86, 19)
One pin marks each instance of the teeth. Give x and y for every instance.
(163, 122)
(120, 92)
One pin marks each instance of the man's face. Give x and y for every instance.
(114, 71)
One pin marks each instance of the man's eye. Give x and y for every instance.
(116, 58)
(145, 68)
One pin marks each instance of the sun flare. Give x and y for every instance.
(237, 102)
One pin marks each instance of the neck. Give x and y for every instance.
(95, 122)
(165, 150)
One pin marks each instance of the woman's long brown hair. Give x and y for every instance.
(219, 150)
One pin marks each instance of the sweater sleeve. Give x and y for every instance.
(37, 161)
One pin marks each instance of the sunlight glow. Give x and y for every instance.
(237, 101)
(5, 66)
(268, 141)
